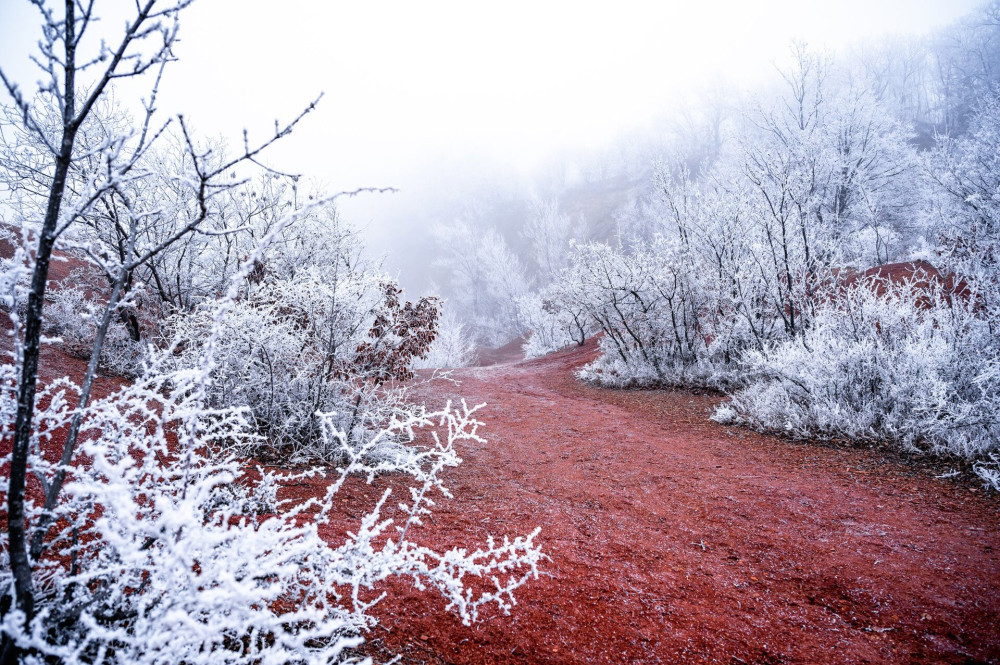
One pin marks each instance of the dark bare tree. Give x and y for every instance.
(89, 169)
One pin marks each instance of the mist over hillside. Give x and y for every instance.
(928, 83)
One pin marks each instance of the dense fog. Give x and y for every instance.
(795, 209)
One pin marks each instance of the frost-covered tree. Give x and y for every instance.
(316, 329)
(549, 231)
(554, 321)
(487, 280)
(53, 119)
(150, 551)
(966, 66)
(452, 347)
(967, 173)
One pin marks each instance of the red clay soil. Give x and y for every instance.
(62, 264)
(920, 275)
(674, 539)
(508, 353)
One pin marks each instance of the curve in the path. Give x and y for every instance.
(674, 539)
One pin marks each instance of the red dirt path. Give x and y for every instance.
(677, 540)
(674, 539)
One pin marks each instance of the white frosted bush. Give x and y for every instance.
(907, 365)
(554, 320)
(988, 469)
(149, 565)
(72, 315)
(161, 549)
(291, 348)
(453, 347)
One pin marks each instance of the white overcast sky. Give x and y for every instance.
(409, 85)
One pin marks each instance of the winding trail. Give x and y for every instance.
(674, 539)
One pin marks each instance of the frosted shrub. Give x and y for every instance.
(15, 275)
(147, 564)
(72, 315)
(452, 347)
(647, 309)
(160, 548)
(901, 364)
(988, 470)
(250, 496)
(308, 343)
(554, 320)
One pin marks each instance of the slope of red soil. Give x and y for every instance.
(674, 539)
(61, 266)
(920, 275)
(510, 352)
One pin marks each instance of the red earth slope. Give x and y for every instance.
(674, 539)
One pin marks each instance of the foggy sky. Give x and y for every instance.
(414, 86)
